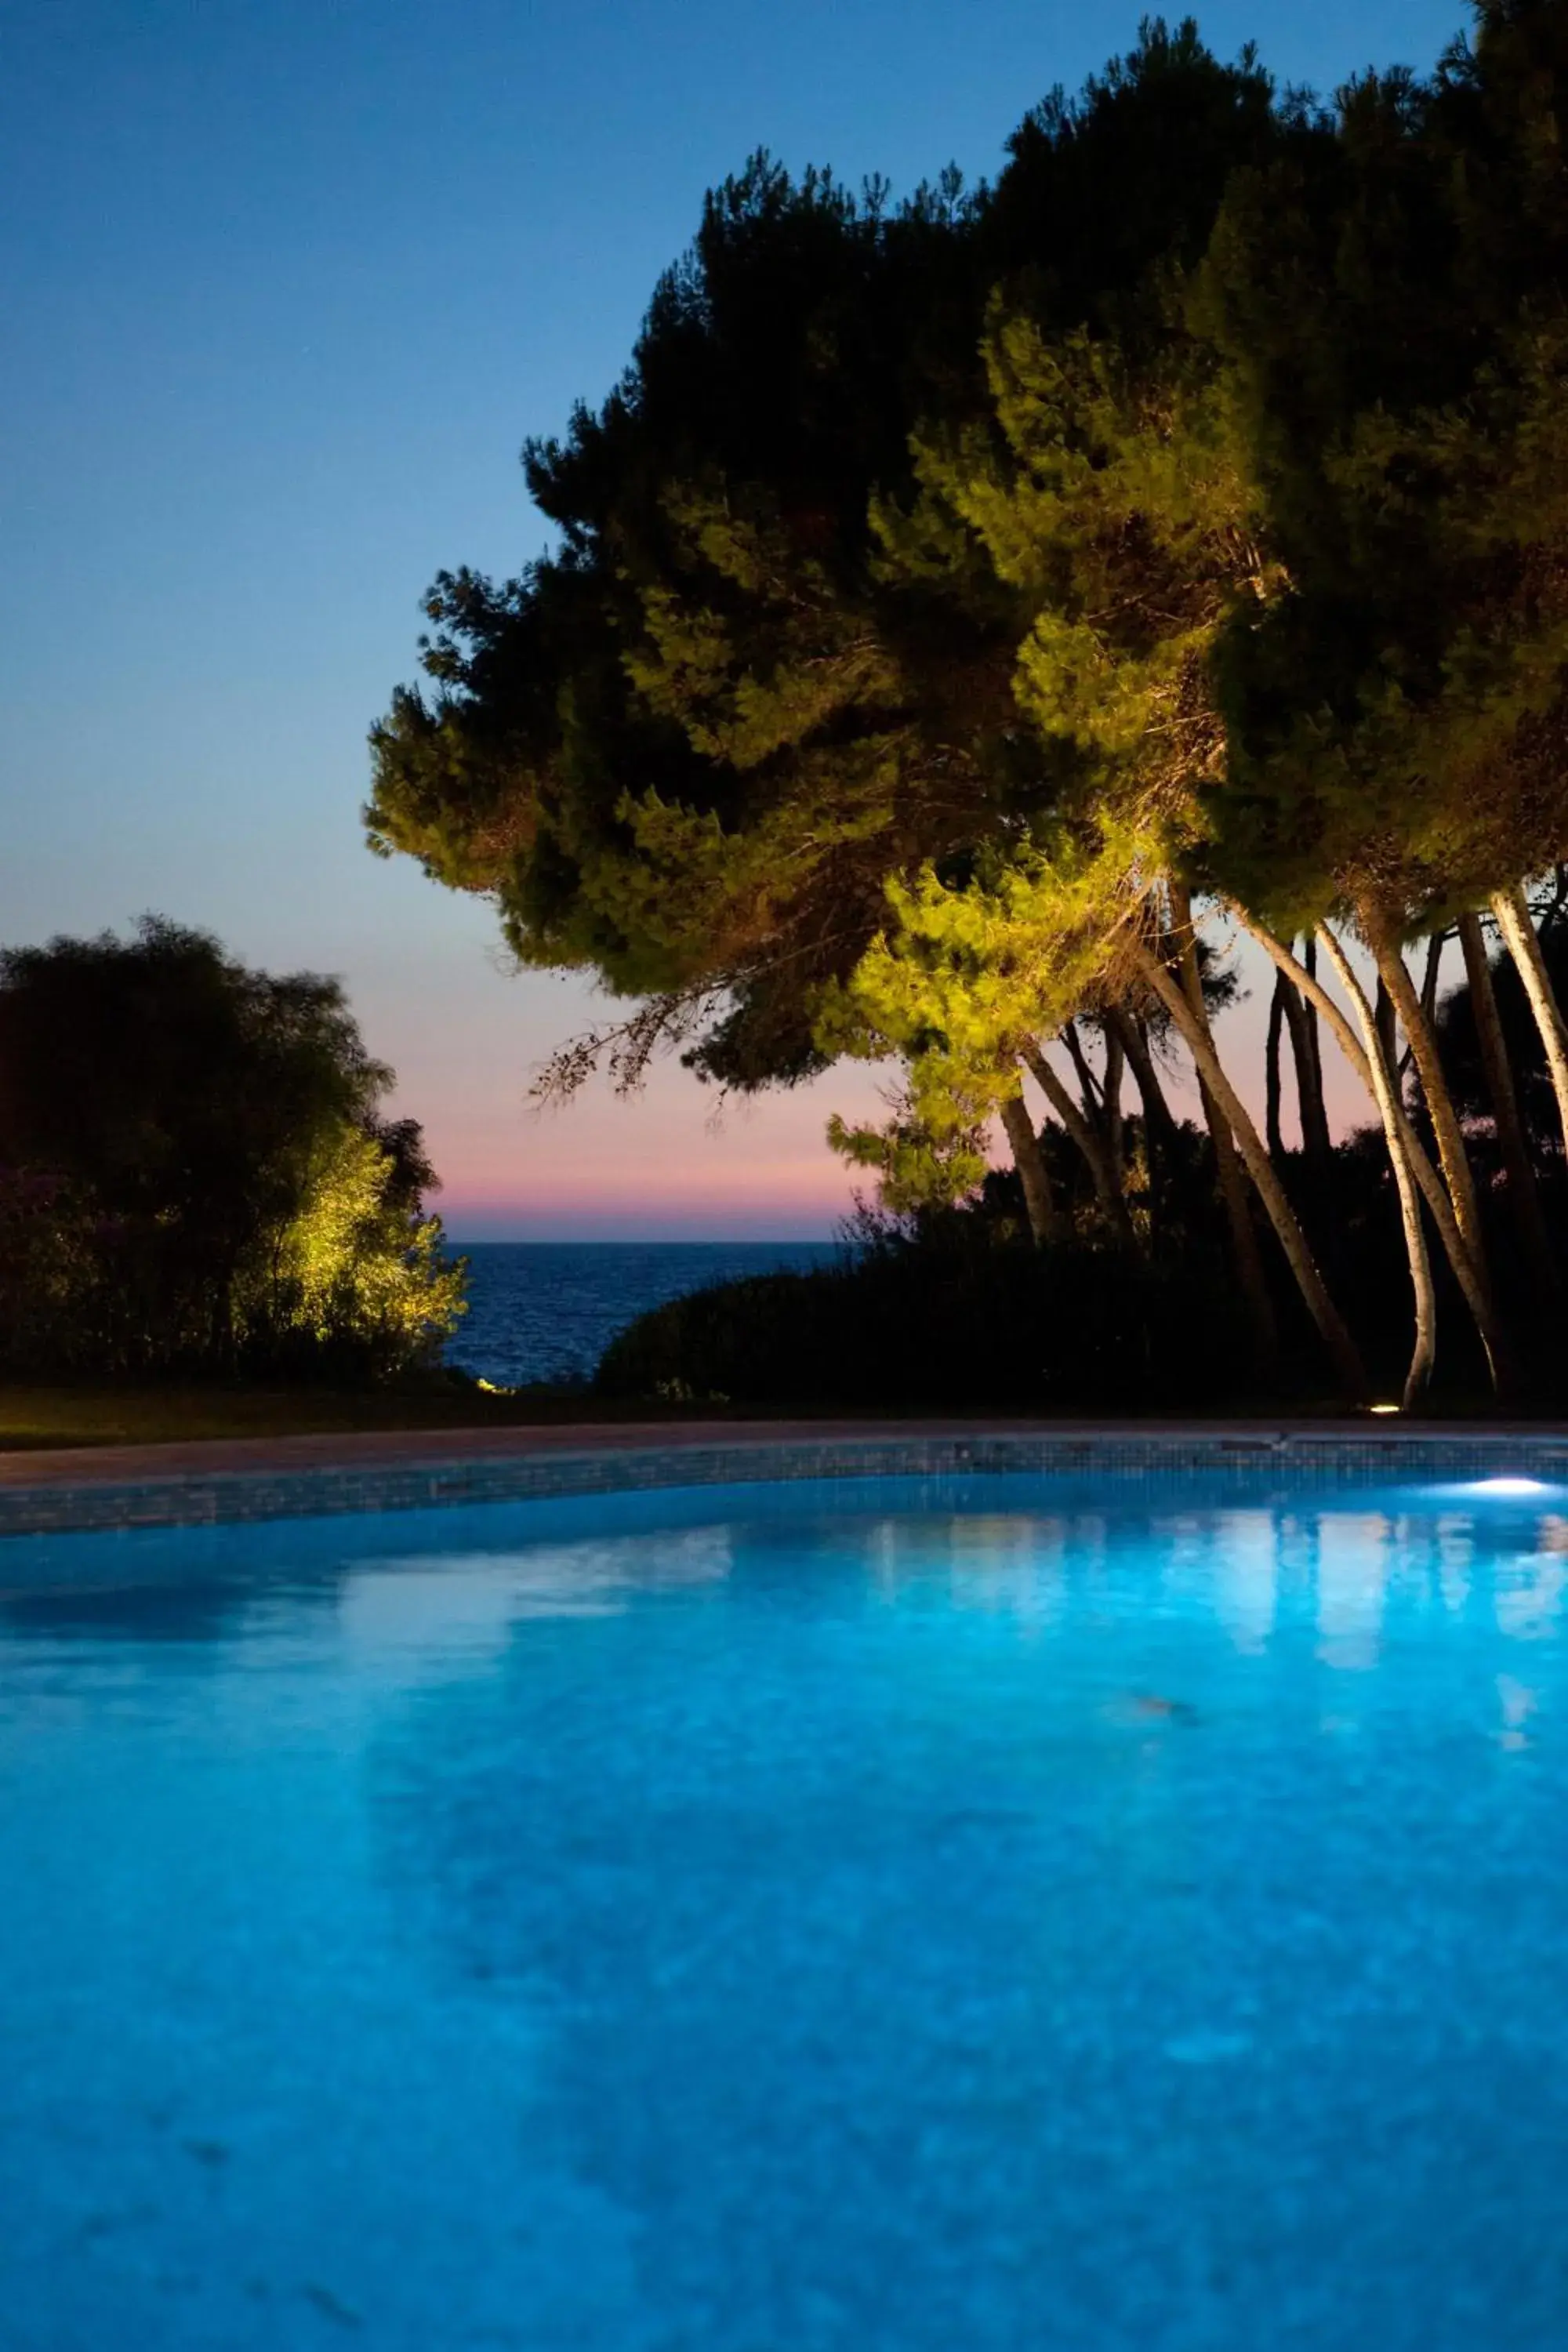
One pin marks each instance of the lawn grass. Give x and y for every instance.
(35, 1416)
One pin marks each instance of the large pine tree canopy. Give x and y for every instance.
(953, 590)
(689, 749)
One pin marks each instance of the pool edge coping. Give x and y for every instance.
(237, 1482)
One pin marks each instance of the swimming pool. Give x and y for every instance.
(978, 1915)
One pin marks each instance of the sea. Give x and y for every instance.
(547, 1310)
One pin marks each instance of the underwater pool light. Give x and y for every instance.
(1508, 1487)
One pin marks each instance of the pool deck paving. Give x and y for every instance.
(212, 1480)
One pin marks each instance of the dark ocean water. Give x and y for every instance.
(547, 1310)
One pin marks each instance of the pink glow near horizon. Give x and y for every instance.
(657, 1165)
(669, 1161)
(673, 1159)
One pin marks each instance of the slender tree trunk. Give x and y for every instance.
(1115, 1063)
(1523, 1194)
(1092, 1103)
(1314, 1115)
(1159, 1121)
(1309, 1078)
(1435, 947)
(1159, 1134)
(1044, 1221)
(1386, 1026)
(1228, 1167)
(1451, 1153)
(1272, 1136)
(1341, 1347)
(1433, 1190)
(1385, 1087)
(1511, 909)
(1088, 1141)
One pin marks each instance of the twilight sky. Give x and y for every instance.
(285, 283)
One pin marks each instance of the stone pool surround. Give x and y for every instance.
(220, 1481)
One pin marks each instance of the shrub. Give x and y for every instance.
(196, 1175)
(965, 1320)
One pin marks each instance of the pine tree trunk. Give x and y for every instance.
(1271, 1134)
(1159, 1122)
(1227, 1167)
(1045, 1221)
(1386, 1026)
(1336, 1338)
(1523, 1194)
(1433, 1190)
(1092, 1103)
(1316, 1149)
(1385, 1087)
(1429, 977)
(1115, 1063)
(1112, 1201)
(1511, 909)
(1451, 1153)
(1160, 1137)
(1315, 1133)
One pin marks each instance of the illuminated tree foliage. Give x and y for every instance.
(197, 1174)
(686, 751)
(966, 613)
(1387, 325)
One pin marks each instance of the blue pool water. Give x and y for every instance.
(945, 1919)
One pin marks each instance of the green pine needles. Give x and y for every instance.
(970, 615)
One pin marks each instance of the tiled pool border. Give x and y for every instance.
(1253, 1459)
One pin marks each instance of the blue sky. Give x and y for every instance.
(285, 286)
